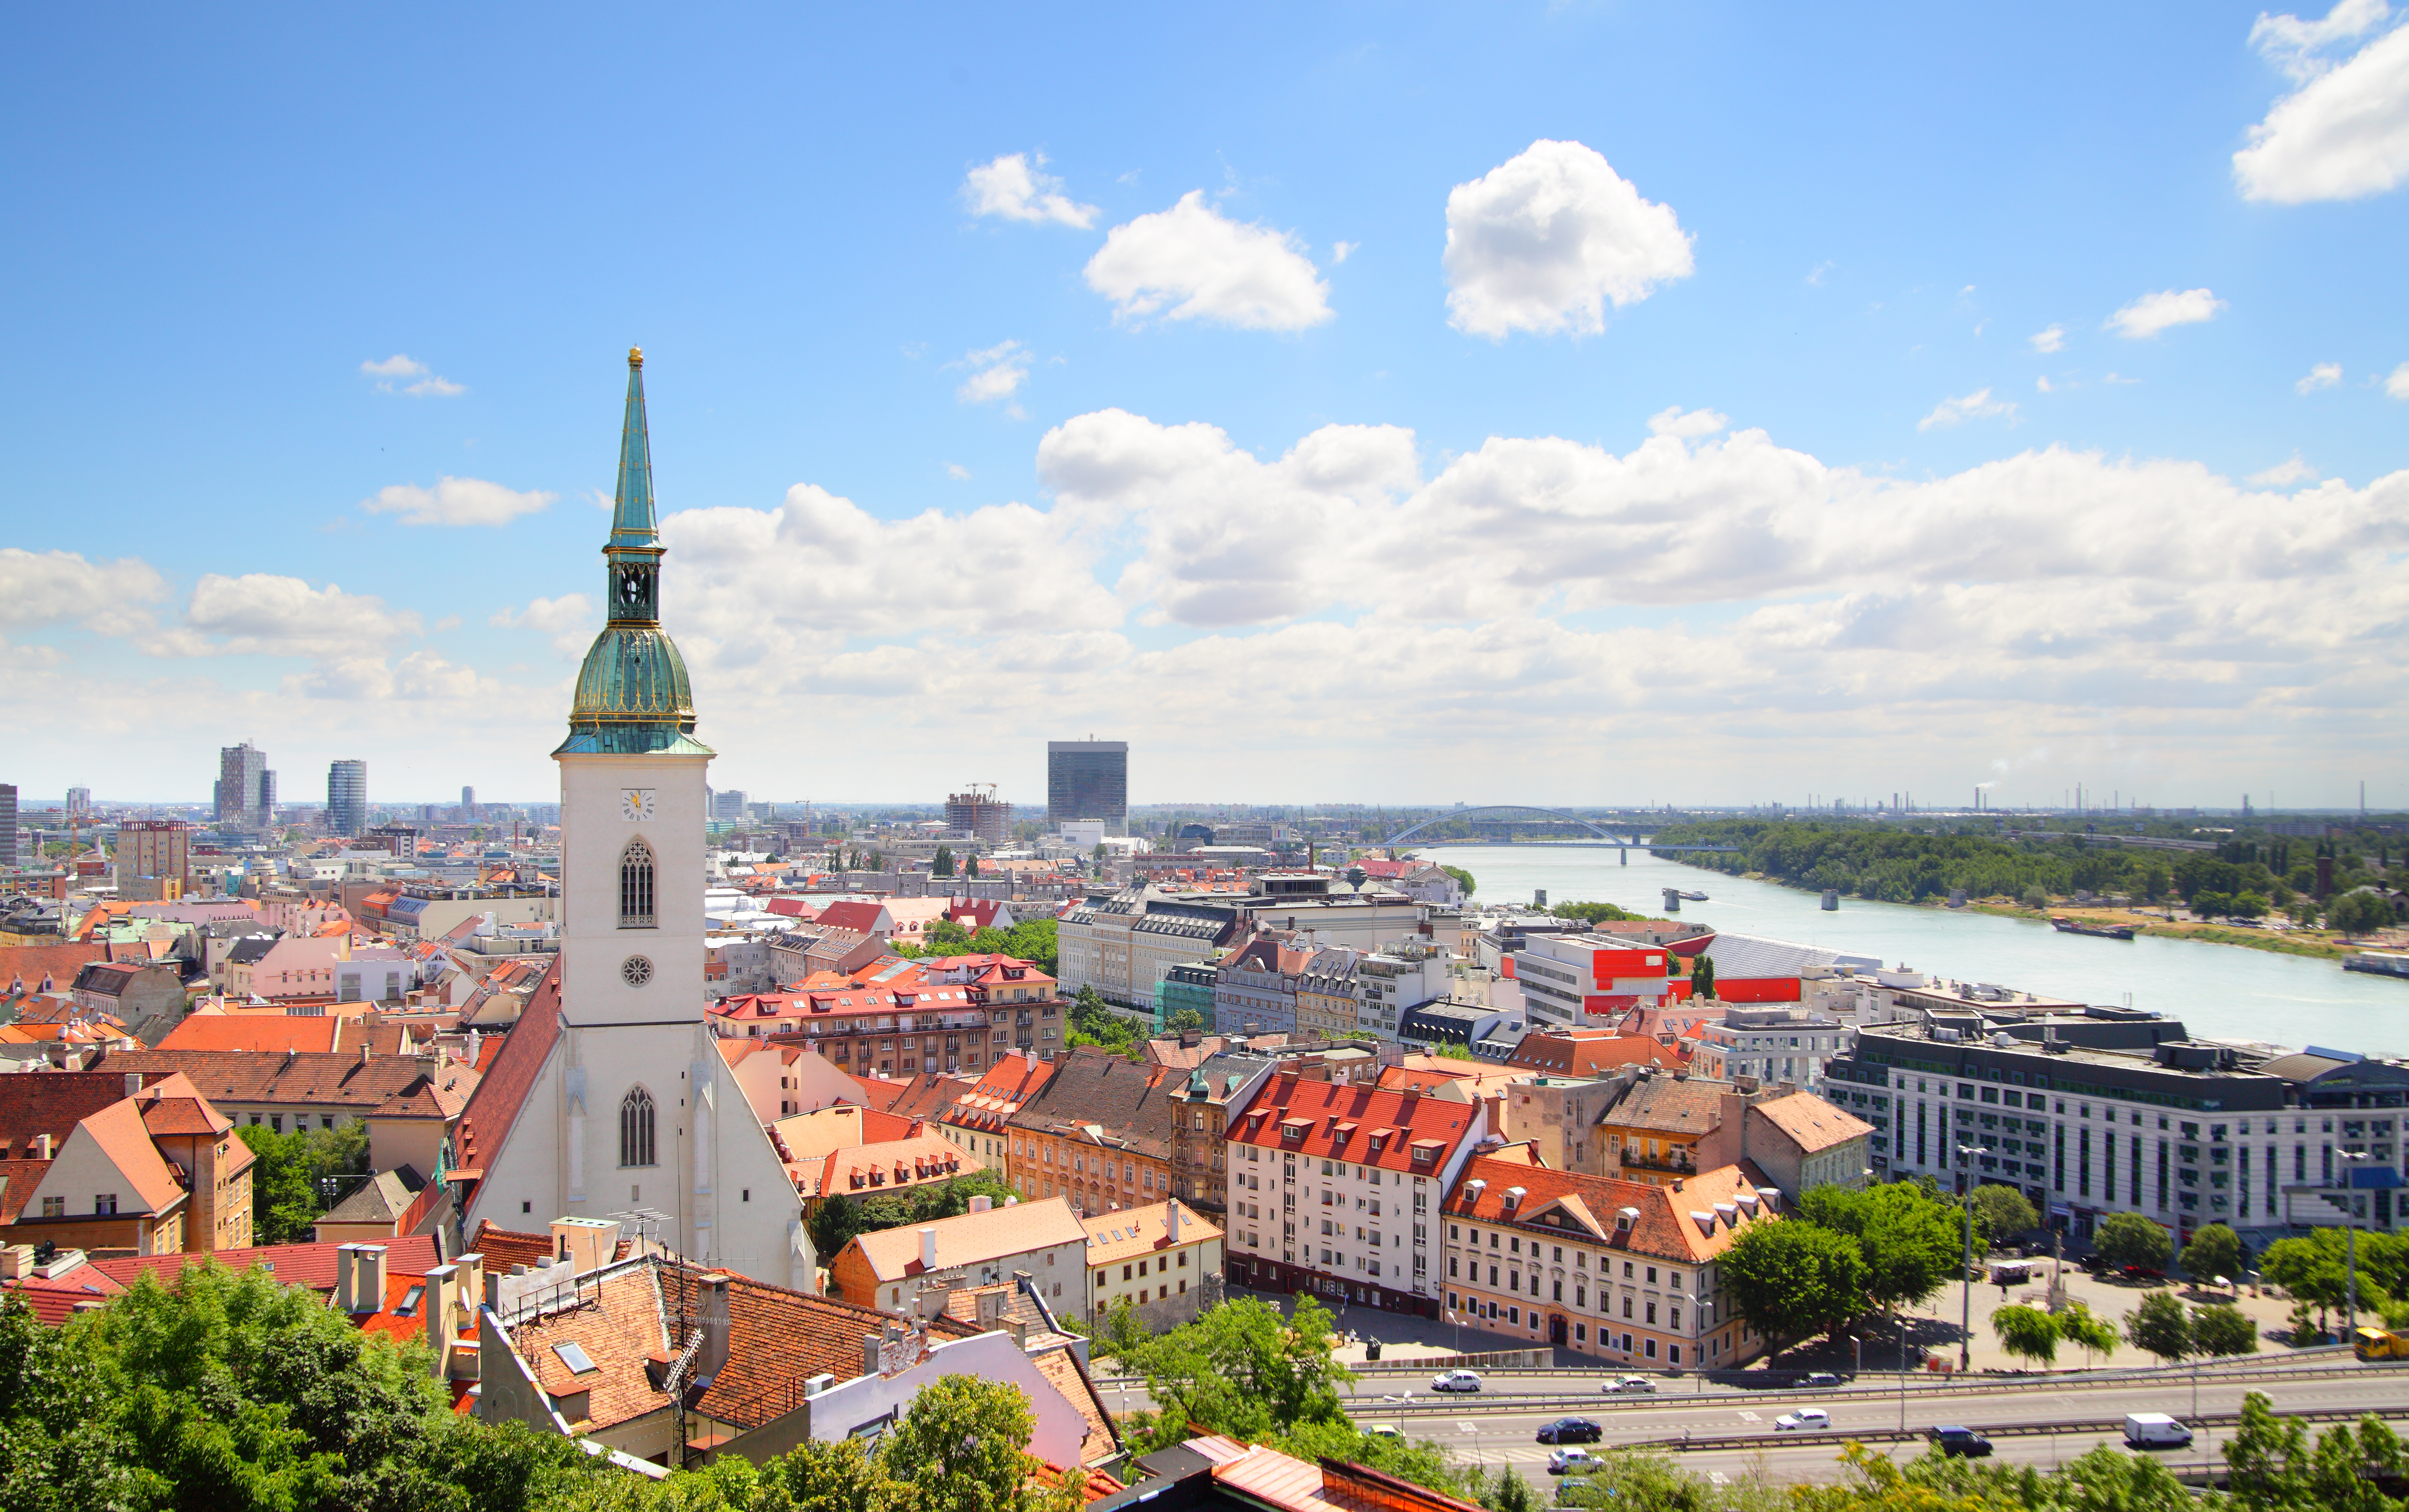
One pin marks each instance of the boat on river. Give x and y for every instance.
(2377, 963)
(2104, 931)
(1693, 897)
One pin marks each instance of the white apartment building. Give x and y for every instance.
(1772, 1044)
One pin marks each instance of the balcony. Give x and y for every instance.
(1677, 1162)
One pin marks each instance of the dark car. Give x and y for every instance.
(1571, 1430)
(1964, 1442)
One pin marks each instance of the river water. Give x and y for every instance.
(2220, 991)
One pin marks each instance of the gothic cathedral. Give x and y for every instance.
(633, 1117)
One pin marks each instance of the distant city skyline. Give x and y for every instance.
(1546, 401)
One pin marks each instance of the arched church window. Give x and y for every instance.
(636, 886)
(636, 1128)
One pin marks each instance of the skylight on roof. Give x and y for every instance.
(574, 1355)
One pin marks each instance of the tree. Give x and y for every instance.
(1702, 977)
(1907, 1237)
(2212, 905)
(2273, 1466)
(2214, 1251)
(2092, 1334)
(2026, 1332)
(2220, 1329)
(2249, 905)
(1242, 1370)
(942, 866)
(962, 1447)
(287, 1190)
(2358, 913)
(2160, 1326)
(1120, 1336)
(1790, 1280)
(1182, 1020)
(1591, 913)
(969, 867)
(2003, 1211)
(2037, 900)
(1463, 879)
(2130, 1239)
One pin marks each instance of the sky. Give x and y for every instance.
(1570, 404)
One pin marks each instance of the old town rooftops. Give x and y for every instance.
(1695, 1220)
(973, 1238)
(1395, 1130)
(1129, 1233)
(1810, 1122)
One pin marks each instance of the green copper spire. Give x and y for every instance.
(632, 694)
(632, 516)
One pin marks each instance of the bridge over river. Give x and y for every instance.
(1605, 837)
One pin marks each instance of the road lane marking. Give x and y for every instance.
(1748, 1417)
(1717, 1477)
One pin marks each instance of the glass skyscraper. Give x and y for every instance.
(347, 798)
(1088, 780)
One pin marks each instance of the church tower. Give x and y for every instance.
(611, 1101)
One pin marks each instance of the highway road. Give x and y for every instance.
(1727, 1435)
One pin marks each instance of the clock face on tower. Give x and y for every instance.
(636, 804)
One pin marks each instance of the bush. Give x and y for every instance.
(2035, 899)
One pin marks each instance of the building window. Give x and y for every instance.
(105, 1205)
(636, 1128)
(636, 888)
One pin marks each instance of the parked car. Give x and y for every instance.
(1388, 1431)
(1962, 1442)
(1571, 1463)
(2144, 1272)
(1806, 1420)
(2155, 1431)
(1571, 1430)
(1820, 1379)
(1456, 1380)
(1629, 1385)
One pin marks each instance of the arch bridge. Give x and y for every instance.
(1605, 836)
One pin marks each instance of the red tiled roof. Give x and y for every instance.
(52, 1103)
(264, 1032)
(494, 1107)
(311, 1265)
(1341, 1121)
(1663, 1226)
(505, 1247)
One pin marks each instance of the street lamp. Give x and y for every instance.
(1967, 1156)
(2350, 1242)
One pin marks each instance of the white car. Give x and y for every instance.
(1628, 1385)
(1806, 1420)
(1572, 1462)
(1456, 1380)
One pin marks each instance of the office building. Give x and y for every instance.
(79, 803)
(974, 812)
(1088, 780)
(468, 802)
(728, 804)
(8, 824)
(347, 798)
(246, 790)
(153, 860)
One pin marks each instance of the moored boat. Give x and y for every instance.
(2104, 931)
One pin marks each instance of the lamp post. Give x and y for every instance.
(1967, 1156)
(2350, 1241)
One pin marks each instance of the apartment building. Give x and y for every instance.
(1164, 1261)
(1618, 1271)
(1332, 1187)
(2118, 1111)
(1098, 1132)
(1652, 1133)
(903, 1017)
(1772, 1044)
(1201, 1108)
(1579, 978)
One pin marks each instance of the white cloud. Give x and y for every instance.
(2285, 473)
(266, 614)
(2154, 312)
(1340, 251)
(2344, 132)
(995, 373)
(400, 365)
(957, 472)
(2398, 384)
(2324, 375)
(457, 501)
(40, 588)
(1696, 423)
(1011, 187)
(1978, 404)
(2052, 339)
(1248, 276)
(2043, 383)
(1545, 240)
(566, 619)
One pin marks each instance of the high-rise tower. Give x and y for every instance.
(347, 797)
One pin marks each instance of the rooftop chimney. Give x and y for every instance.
(1171, 1220)
(41, 1147)
(368, 1278)
(927, 1249)
(870, 1347)
(713, 1356)
(132, 1082)
(982, 1203)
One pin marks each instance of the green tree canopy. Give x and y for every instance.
(1182, 1020)
(2000, 1211)
(942, 863)
(2160, 1326)
(2359, 913)
(1910, 1240)
(287, 1190)
(2214, 1251)
(2094, 1336)
(1792, 1279)
(1463, 879)
(1242, 1370)
(2130, 1239)
(2026, 1332)
(2222, 1329)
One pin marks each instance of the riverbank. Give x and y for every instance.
(2291, 940)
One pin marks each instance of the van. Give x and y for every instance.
(2155, 1431)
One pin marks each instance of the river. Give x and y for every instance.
(2220, 991)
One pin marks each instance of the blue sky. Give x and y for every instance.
(1715, 463)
